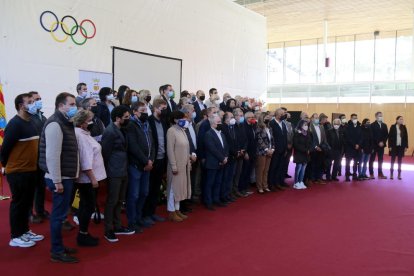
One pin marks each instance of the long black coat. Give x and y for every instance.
(301, 146)
(392, 139)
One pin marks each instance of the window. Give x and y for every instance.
(364, 58)
(384, 56)
(292, 62)
(345, 59)
(309, 61)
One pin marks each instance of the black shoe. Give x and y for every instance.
(220, 204)
(35, 219)
(110, 236)
(86, 240)
(144, 224)
(334, 179)
(288, 176)
(44, 215)
(124, 231)
(63, 258)
(136, 228)
(67, 226)
(347, 179)
(69, 250)
(210, 208)
(157, 218)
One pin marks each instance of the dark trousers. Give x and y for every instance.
(87, 202)
(287, 160)
(380, 152)
(117, 187)
(228, 174)
(356, 156)
(39, 193)
(212, 186)
(244, 181)
(336, 159)
(156, 174)
(60, 209)
(276, 173)
(317, 165)
(22, 190)
(397, 151)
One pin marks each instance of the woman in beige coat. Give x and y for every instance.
(179, 166)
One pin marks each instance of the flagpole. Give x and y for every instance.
(2, 127)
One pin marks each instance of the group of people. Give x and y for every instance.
(207, 151)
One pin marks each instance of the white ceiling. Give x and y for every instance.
(303, 19)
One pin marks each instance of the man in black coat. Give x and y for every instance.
(276, 173)
(114, 153)
(167, 94)
(353, 142)
(38, 120)
(335, 137)
(199, 105)
(141, 155)
(380, 135)
(158, 128)
(217, 152)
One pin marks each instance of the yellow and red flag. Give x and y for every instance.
(2, 115)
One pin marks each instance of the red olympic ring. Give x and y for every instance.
(86, 35)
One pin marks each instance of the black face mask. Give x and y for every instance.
(90, 126)
(266, 121)
(94, 109)
(164, 113)
(202, 98)
(219, 127)
(148, 99)
(125, 123)
(144, 117)
(284, 117)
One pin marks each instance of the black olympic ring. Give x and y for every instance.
(76, 24)
(43, 26)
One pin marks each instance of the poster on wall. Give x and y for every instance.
(95, 81)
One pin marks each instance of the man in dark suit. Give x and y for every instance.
(158, 128)
(353, 141)
(276, 173)
(229, 131)
(380, 135)
(167, 94)
(217, 152)
(335, 137)
(249, 126)
(226, 97)
(199, 105)
(319, 149)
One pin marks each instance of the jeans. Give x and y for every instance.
(300, 172)
(138, 188)
(22, 189)
(116, 195)
(61, 203)
(212, 186)
(228, 174)
(362, 168)
(86, 205)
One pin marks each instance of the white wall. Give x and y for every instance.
(222, 44)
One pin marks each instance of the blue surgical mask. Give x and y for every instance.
(134, 99)
(170, 94)
(183, 123)
(193, 98)
(193, 115)
(72, 111)
(31, 108)
(241, 120)
(316, 121)
(39, 104)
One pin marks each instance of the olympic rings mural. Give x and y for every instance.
(71, 31)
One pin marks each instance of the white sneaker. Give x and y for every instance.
(94, 214)
(303, 185)
(21, 242)
(297, 186)
(76, 220)
(32, 236)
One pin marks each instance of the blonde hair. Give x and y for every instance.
(81, 116)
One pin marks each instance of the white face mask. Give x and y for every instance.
(84, 94)
(355, 121)
(305, 128)
(110, 97)
(380, 119)
(343, 121)
(232, 121)
(336, 126)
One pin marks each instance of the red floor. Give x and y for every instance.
(359, 228)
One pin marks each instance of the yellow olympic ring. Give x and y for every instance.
(53, 35)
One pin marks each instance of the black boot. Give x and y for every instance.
(392, 175)
(399, 175)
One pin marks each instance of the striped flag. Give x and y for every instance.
(2, 115)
